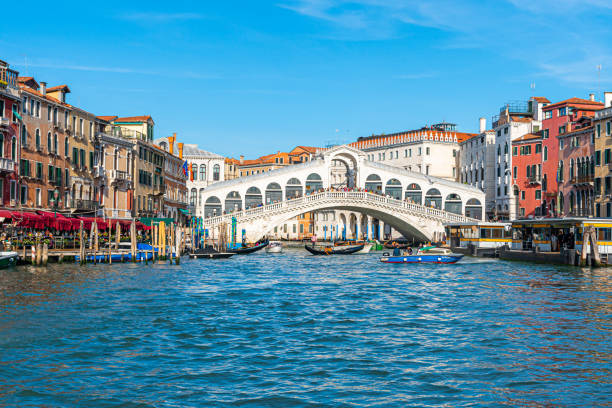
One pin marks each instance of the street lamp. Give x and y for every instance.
(56, 201)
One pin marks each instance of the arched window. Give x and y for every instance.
(193, 197)
(373, 183)
(293, 188)
(414, 193)
(216, 171)
(194, 169)
(55, 143)
(202, 172)
(274, 193)
(212, 207)
(433, 198)
(252, 198)
(506, 148)
(473, 208)
(393, 188)
(233, 202)
(453, 203)
(313, 183)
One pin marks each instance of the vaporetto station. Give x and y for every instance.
(373, 195)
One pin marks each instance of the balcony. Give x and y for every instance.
(537, 179)
(159, 189)
(98, 172)
(584, 179)
(89, 205)
(6, 165)
(120, 177)
(4, 122)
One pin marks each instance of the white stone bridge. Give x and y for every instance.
(414, 204)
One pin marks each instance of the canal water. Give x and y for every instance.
(294, 330)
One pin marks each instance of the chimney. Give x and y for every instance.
(43, 88)
(171, 140)
(241, 159)
(483, 125)
(180, 147)
(607, 99)
(592, 97)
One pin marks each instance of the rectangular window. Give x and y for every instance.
(427, 151)
(607, 185)
(538, 194)
(562, 111)
(548, 114)
(562, 129)
(24, 194)
(514, 172)
(38, 197)
(598, 186)
(608, 128)
(82, 156)
(608, 210)
(598, 130)
(514, 150)
(598, 158)
(538, 148)
(39, 171)
(607, 156)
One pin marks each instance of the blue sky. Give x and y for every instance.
(253, 77)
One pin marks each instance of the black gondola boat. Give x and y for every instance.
(209, 253)
(337, 250)
(249, 250)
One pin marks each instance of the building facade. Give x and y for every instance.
(477, 165)
(203, 169)
(527, 175)
(515, 120)
(175, 177)
(560, 118)
(602, 129)
(10, 132)
(44, 166)
(577, 171)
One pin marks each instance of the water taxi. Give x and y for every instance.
(478, 238)
(423, 255)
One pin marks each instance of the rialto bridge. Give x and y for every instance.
(414, 204)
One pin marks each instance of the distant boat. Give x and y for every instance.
(425, 255)
(275, 247)
(249, 249)
(209, 252)
(8, 259)
(334, 250)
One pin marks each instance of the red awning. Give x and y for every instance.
(28, 220)
(6, 214)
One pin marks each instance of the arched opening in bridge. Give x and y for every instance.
(473, 209)
(453, 203)
(414, 193)
(293, 189)
(433, 198)
(373, 183)
(343, 170)
(252, 198)
(233, 202)
(353, 226)
(314, 183)
(394, 189)
(342, 227)
(363, 229)
(212, 207)
(274, 193)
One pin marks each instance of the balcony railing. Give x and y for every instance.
(537, 179)
(84, 204)
(125, 133)
(588, 178)
(4, 122)
(121, 175)
(6, 164)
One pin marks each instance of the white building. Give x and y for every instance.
(514, 120)
(477, 164)
(206, 168)
(431, 151)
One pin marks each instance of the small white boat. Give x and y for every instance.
(367, 247)
(274, 247)
(8, 259)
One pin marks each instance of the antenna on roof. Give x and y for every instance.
(598, 79)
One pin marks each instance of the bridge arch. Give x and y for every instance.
(433, 198)
(212, 207)
(473, 209)
(414, 193)
(374, 183)
(274, 193)
(252, 198)
(393, 188)
(233, 202)
(453, 203)
(293, 189)
(314, 183)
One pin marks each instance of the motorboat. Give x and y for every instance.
(423, 255)
(334, 250)
(8, 259)
(275, 247)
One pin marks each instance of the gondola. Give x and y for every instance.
(335, 250)
(401, 244)
(249, 250)
(209, 252)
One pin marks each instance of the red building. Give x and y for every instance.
(527, 174)
(10, 103)
(559, 118)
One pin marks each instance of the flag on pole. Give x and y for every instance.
(185, 168)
